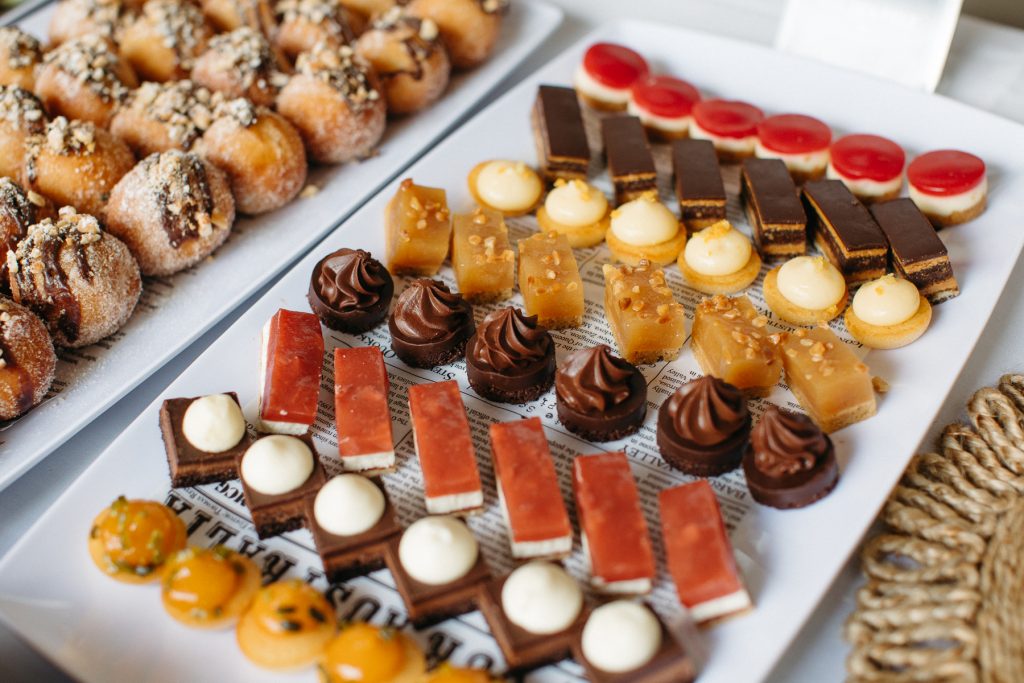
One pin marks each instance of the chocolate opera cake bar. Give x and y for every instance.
(845, 231)
(562, 149)
(698, 183)
(917, 252)
(630, 163)
(773, 208)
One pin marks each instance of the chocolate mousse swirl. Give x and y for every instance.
(708, 411)
(593, 380)
(351, 280)
(787, 443)
(428, 311)
(508, 340)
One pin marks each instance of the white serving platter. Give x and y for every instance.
(175, 311)
(97, 629)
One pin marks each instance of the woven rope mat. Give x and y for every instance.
(944, 599)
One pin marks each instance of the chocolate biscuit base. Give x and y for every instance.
(698, 183)
(670, 664)
(428, 605)
(273, 515)
(845, 231)
(917, 252)
(524, 651)
(773, 208)
(630, 162)
(188, 465)
(559, 133)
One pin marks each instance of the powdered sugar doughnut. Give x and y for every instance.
(76, 18)
(240, 64)
(18, 211)
(304, 23)
(27, 360)
(157, 117)
(469, 28)
(162, 43)
(20, 54)
(227, 15)
(21, 116)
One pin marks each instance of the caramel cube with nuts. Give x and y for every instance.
(482, 257)
(648, 323)
(550, 280)
(731, 341)
(832, 384)
(417, 230)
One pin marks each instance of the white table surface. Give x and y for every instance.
(985, 69)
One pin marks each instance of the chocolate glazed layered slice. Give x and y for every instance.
(630, 163)
(917, 252)
(845, 231)
(698, 183)
(773, 208)
(562, 149)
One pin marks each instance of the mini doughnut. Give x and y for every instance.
(163, 41)
(361, 12)
(74, 163)
(27, 360)
(227, 15)
(261, 153)
(76, 18)
(409, 58)
(21, 116)
(304, 23)
(20, 53)
(208, 588)
(131, 540)
(82, 282)
(335, 103)
(18, 211)
(156, 117)
(286, 626)
(469, 28)
(172, 210)
(240, 64)
(84, 79)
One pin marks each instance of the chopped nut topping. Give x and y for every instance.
(91, 62)
(180, 25)
(329, 15)
(183, 107)
(23, 50)
(245, 53)
(342, 70)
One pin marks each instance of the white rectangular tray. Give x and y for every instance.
(98, 630)
(175, 311)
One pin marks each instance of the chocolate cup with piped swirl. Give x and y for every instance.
(350, 291)
(430, 324)
(790, 462)
(704, 427)
(510, 359)
(600, 397)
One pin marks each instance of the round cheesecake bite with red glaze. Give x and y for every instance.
(607, 74)
(663, 104)
(949, 186)
(800, 141)
(730, 124)
(869, 165)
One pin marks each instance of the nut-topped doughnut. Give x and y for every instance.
(260, 151)
(27, 360)
(240, 64)
(172, 210)
(74, 163)
(164, 40)
(469, 28)
(227, 15)
(75, 18)
(21, 116)
(156, 117)
(334, 101)
(18, 211)
(361, 12)
(84, 79)
(20, 53)
(410, 59)
(83, 282)
(304, 23)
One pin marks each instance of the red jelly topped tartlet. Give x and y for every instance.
(607, 73)
(870, 165)
(800, 141)
(663, 104)
(730, 124)
(949, 186)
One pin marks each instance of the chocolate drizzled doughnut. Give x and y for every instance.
(84, 79)
(27, 360)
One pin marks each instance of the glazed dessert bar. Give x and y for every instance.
(550, 281)
(361, 413)
(699, 553)
(698, 182)
(562, 148)
(444, 446)
(773, 208)
(482, 257)
(612, 525)
(538, 525)
(192, 463)
(418, 230)
(845, 231)
(649, 325)
(917, 252)
(291, 360)
(630, 163)
(731, 341)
